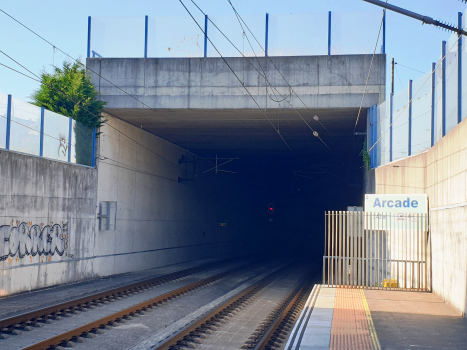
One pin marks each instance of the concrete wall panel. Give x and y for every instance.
(441, 172)
(208, 83)
(38, 194)
(160, 221)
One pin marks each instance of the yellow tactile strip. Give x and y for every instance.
(352, 326)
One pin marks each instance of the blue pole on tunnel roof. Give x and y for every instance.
(89, 36)
(384, 31)
(267, 36)
(8, 123)
(146, 37)
(70, 126)
(205, 35)
(41, 137)
(329, 33)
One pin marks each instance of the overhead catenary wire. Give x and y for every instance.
(315, 133)
(369, 71)
(398, 77)
(427, 79)
(263, 75)
(267, 57)
(416, 70)
(236, 76)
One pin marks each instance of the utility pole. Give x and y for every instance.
(392, 77)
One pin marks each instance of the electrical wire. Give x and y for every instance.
(263, 75)
(248, 92)
(268, 58)
(400, 81)
(428, 78)
(84, 65)
(315, 133)
(99, 75)
(369, 71)
(409, 68)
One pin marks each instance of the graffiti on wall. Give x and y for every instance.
(185, 44)
(22, 239)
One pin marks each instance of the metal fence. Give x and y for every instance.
(417, 117)
(321, 33)
(33, 130)
(387, 251)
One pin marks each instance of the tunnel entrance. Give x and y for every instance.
(292, 141)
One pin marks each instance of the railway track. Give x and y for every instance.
(230, 321)
(28, 321)
(269, 331)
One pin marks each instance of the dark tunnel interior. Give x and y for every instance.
(300, 191)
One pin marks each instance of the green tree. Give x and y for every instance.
(365, 156)
(68, 91)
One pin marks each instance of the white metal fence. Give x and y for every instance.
(377, 250)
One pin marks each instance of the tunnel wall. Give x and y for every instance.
(49, 228)
(47, 222)
(441, 172)
(160, 220)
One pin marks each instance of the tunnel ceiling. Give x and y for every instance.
(249, 133)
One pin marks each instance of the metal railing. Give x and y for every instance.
(34, 130)
(417, 117)
(377, 250)
(317, 33)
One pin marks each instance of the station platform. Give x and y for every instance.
(355, 318)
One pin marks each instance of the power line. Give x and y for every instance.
(409, 68)
(285, 142)
(263, 75)
(99, 75)
(369, 71)
(268, 58)
(315, 133)
(400, 81)
(84, 65)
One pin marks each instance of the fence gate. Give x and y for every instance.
(374, 250)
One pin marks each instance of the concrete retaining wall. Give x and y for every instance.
(49, 231)
(441, 172)
(47, 222)
(161, 221)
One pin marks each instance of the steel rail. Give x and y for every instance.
(282, 324)
(15, 323)
(213, 319)
(93, 327)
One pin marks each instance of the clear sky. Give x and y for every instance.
(64, 23)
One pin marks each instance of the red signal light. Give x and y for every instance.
(271, 208)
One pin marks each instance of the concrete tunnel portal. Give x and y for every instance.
(290, 141)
